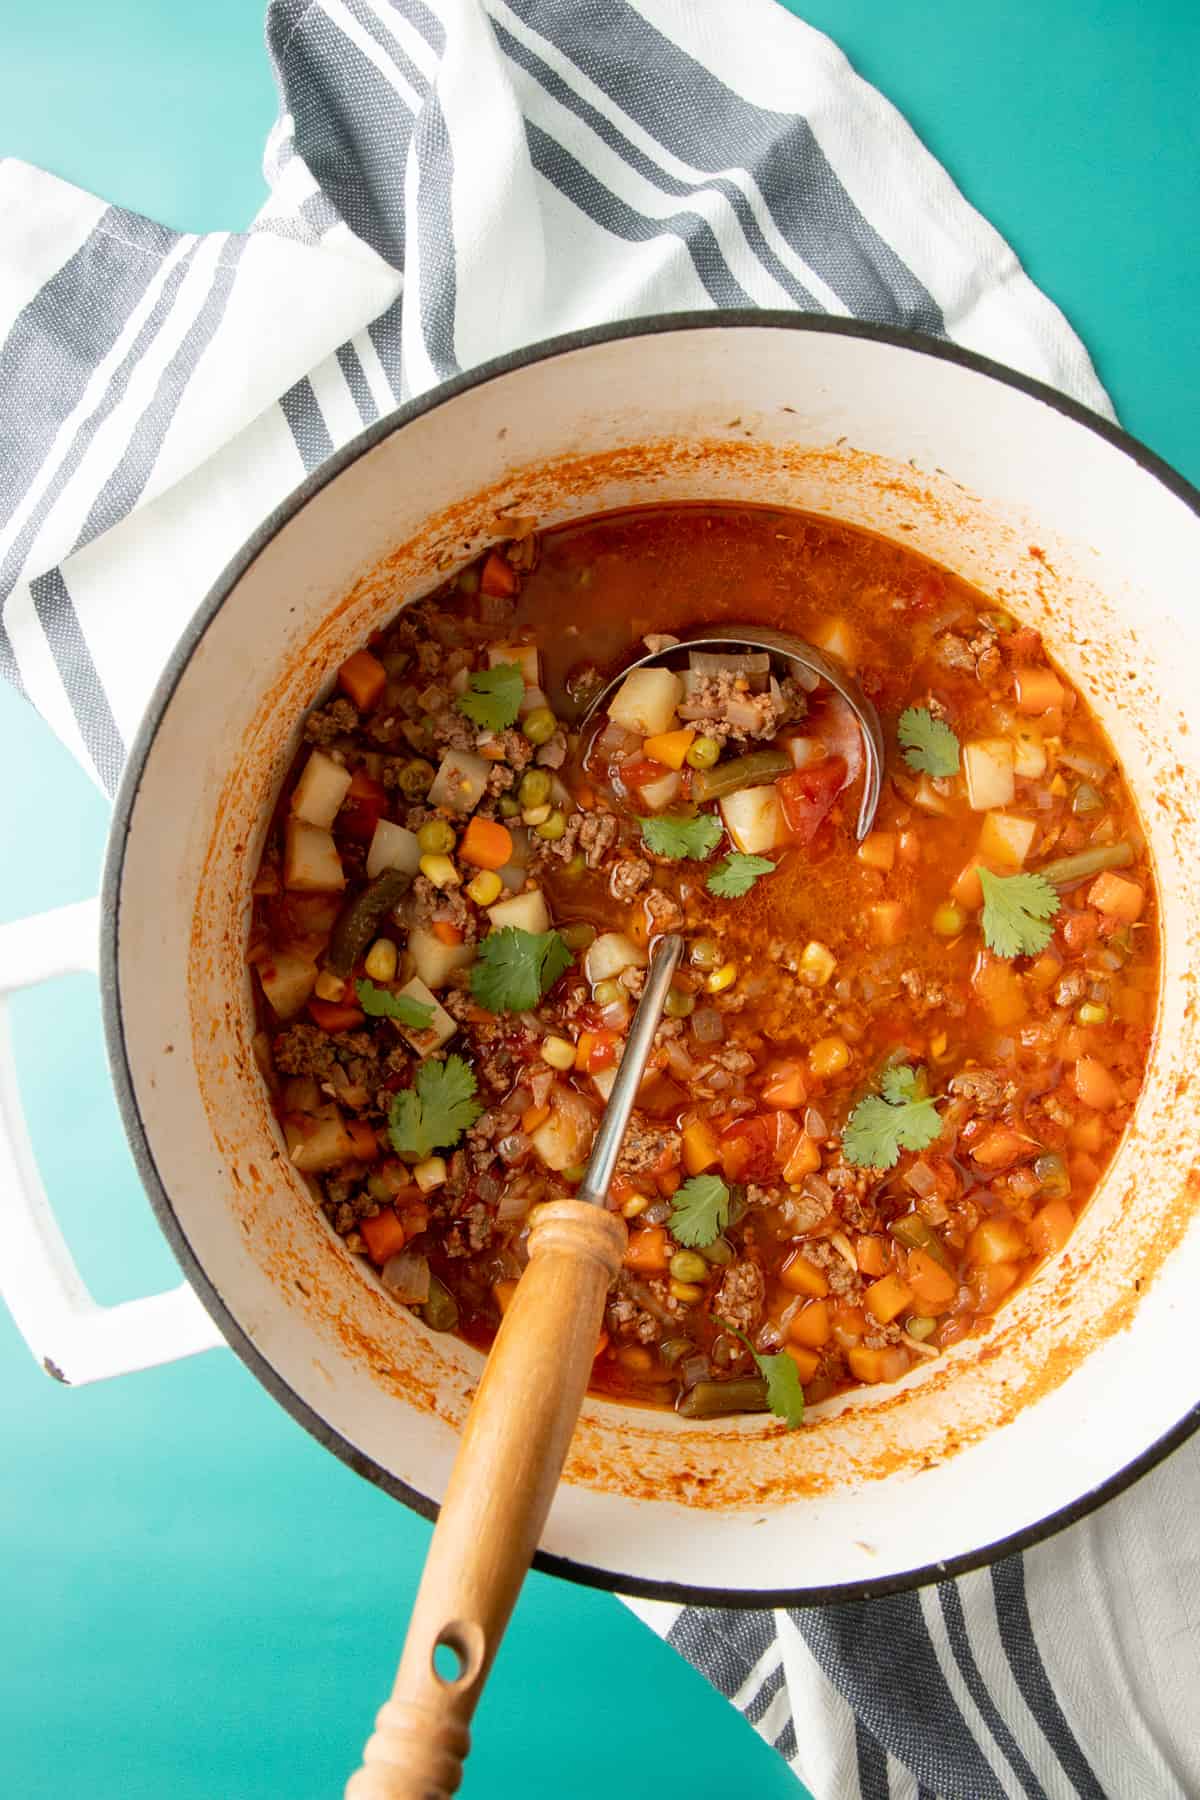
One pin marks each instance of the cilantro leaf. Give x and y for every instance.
(378, 1003)
(1016, 912)
(902, 1117)
(433, 1113)
(928, 744)
(670, 835)
(515, 968)
(737, 874)
(785, 1396)
(493, 696)
(699, 1211)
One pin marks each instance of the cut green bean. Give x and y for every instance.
(440, 1311)
(717, 1399)
(360, 918)
(754, 770)
(1070, 869)
(915, 1233)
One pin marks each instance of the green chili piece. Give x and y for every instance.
(915, 1233)
(360, 918)
(440, 1311)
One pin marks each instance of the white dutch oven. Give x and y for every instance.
(1085, 1379)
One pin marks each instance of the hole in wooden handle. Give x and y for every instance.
(458, 1653)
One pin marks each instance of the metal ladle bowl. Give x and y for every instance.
(813, 666)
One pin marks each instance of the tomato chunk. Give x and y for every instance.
(807, 795)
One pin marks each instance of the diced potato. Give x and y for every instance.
(1006, 840)
(324, 1148)
(441, 1026)
(878, 851)
(392, 847)
(1029, 755)
(989, 764)
(434, 961)
(603, 1080)
(608, 954)
(658, 795)
(460, 781)
(565, 1138)
(804, 751)
(524, 655)
(997, 1240)
(645, 702)
(524, 912)
(1117, 898)
(319, 793)
(928, 798)
(311, 864)
(754, 819)
(837, 639)
(1094, 1084)
(287, 981)
(999, 991)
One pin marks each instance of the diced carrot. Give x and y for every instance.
(990, 1284)
(997, 1240)
(502, 1293)
(998, 987)
(533, 1116)
(1117, 898)
(810, 1326)
(486, 844)
(787, 1137)
(498, 577)
(785, 1084)
(887, 1364)
(878, 850)
(932, 1285)
(585, 796)
(1037, 690)
(1094, 1085)
(362, 678)
(999, 1146)
(806, 1361)
(967, 888)
(889, 922)
(362, 1138)
(647, 1251)
(383, 1235)
(800, 1276)
(333, 1015)
(584, 1044)
(700, 1147)
(669, 747)
(446, 933)
(1051, 1226)
(668, 1182)
(871, 1252)
(804, 1160)
(887, 1297)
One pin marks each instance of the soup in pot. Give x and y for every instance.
(891, 1072)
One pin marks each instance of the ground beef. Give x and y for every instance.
(665, 913)
(723, 710)
(500, 778)
(597, 835)
(425, 904)
(1071, 988)
(986, 1089)
(336, 720)
(452, 731)
(741, 1296)
(841, 1277)
(305, 1050)
(429, 656)
(518, 751)
(626, 1319)
(733, 1060)
(628, 877)
(643, 1147)
(802, 1212)
(953, 651)
(926, 994)
(553, 753)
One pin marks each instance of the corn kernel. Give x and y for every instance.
(440, 870)
(817, 964)
(829, 1056)
(558, 1052)
(381, 960)
(1091, 1013)
(536, 815)
(485, 888)
(686, 1292)
(634, 1206)
(949, 919)
(329, 987)
(721, 978)
(430, 1174)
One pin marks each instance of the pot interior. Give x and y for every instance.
(1081, 1375)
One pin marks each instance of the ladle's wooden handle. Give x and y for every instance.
(512, 1452)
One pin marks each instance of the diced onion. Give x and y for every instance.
(406, 1277)
(708, 1027)
(693, 1369)
(921, 1179)
(514, 1204)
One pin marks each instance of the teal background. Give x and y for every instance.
(197, 1600)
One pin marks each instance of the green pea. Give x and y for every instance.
(415, 778)
(703, 753)
(1051, 1170)
(440, 1311)
(509, 806)
(575, 1173)
(689, 1265)
(720, 1251)
(920, 1327)
(540, 725)
(435, 838)
(678, 1005)
(578, 935)
(553, 827)
(606, 993)
(949, 919)
(706, 953)
(575, 868)
(535, 787)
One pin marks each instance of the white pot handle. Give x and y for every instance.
(72, 1336)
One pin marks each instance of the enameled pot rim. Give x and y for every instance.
(114, 862)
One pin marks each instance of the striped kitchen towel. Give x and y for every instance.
(451, 179)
